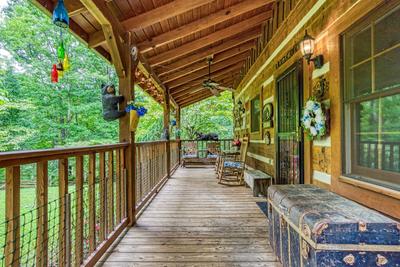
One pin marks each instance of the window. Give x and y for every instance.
(371, 57)
(255, 119)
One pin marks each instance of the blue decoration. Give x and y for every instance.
(173, 122)
(141, 111)
(60, 15)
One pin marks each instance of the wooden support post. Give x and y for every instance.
(92, 202)
(110, 192)
(102, 196)
(166, 131)
(79, 211)
(12, 250)
(126, 89)
(42, 184)
(123, 183)
(62, 193)
(178, 136)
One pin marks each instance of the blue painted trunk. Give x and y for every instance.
(310, 226)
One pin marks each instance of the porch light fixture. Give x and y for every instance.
(307, 49)
(60, 15)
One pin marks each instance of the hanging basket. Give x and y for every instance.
(134, 120)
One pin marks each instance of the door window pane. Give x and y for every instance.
(255, 114)
(387, 70)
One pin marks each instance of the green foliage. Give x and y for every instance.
(212, 115)
(38, 114)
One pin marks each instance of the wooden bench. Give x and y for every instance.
(258, 181)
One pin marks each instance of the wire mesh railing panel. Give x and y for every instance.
(151, 168)
(70, 209)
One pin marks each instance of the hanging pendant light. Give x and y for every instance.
(66, 63)
(60, 15)
(61, 51)
(54, 74)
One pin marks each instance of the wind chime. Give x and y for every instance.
(60, 19)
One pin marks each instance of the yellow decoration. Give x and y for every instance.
(66, 63)
(60, 73)
(134, 120)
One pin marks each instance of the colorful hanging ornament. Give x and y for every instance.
(61, 51)
(54, 74)
(66, 63)
(60, 15)
(60, 69)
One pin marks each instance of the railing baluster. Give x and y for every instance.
(79, 211)
(110, 192)
(42, 223)
(122, 183)
(102, 197)
(118, 185)
(62, 192)
(92, 202)
(12, 250)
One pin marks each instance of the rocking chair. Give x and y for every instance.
(231, 169)
(189, 152)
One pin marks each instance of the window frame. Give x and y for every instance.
(258, 131)
(351, 167)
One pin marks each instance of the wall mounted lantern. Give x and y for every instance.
(307, 49)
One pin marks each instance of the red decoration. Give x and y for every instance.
(54, 74)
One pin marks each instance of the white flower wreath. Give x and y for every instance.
(314, 119)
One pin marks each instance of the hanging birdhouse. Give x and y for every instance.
(54, 74)
(60, 15)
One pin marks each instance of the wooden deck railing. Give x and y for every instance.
(79, 205)
(224, 144)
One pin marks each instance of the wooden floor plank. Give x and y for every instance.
(194, 221)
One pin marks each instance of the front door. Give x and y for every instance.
(289, 137)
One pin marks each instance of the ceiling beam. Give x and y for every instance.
(202, 23)
(77, 11)
(209, 39)
(96, 39)
(161, 13)
(204, 64)
(110, 29)
(192, 95)
(223, 81)
(233, 63)
(195, 100)
(217, 76)
(200, 60)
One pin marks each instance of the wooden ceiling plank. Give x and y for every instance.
(209, 39)
(231, 62)
(200, 55)
(161, 13)
(193, 89)
(216, 58)
(193, 101)
(203, 64)
(217, 76)
(96, 39)
(202, 23)
(192, 95)
(76, 11)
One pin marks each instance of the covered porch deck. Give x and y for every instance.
(193, 221)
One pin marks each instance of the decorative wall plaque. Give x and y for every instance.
(268, 113)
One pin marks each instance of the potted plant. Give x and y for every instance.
(135, 110)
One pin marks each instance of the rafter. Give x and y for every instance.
(202, 23)
(199, 58)
(233, 63)
(195, 100)
(218, 76)
(76, 11)
(203, 65)
(161, 13)
(191, 95)
(223, 81)
(101, 13)
(197, 44)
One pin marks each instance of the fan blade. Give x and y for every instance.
(226, 88)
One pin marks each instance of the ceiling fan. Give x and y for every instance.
(213, 86)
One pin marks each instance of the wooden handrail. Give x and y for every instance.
(30, 156)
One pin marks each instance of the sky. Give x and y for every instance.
(3, 3)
